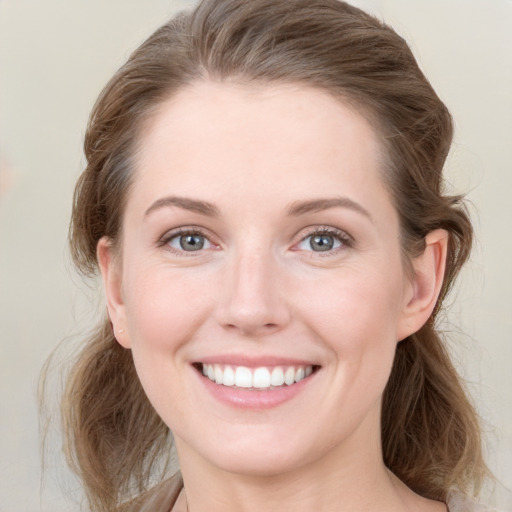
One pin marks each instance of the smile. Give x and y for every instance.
(261, 378)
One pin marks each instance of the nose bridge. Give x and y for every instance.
(254, 302)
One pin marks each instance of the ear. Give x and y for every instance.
(425, 284)
(111, 273)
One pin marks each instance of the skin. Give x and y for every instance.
(259, 288)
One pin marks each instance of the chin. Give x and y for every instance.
(262, 453)
(260, 463)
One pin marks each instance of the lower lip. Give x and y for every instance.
(255, 398)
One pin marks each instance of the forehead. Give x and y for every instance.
(281, 139)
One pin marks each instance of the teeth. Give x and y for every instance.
(277, 377)
(229, 376)
(217, 371)
(289, 376)
(258, 378)
(261, 378)
(243, 377)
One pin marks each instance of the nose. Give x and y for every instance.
(253, 302)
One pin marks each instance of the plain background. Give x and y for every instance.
(55, 56)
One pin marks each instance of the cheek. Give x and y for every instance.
(164, 309)
(351, 306)
(356, 317)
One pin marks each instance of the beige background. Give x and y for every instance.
(55, 55)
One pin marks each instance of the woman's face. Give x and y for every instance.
(260, 245)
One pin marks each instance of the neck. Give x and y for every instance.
(344, 480)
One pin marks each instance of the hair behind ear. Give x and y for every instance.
(431, 438)
(105, 414)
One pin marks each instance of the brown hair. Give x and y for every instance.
(430, 434)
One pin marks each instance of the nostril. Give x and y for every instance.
(253, 314)
(254, 328)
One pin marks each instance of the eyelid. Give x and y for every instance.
(346, 240)
(164, 240)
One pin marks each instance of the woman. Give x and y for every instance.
(263, 197)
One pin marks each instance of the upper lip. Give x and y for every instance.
(254, 362)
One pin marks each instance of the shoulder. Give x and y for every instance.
(160, 498)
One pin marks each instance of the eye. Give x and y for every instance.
(188, 241)
(324, 240)
(319, 243)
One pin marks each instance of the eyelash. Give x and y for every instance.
(346, 241)
(169, 236)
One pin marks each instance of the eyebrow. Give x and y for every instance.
(294, 210)
(317, 205)
(193, 205)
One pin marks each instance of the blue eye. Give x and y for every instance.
(189, 242)
(323, 241)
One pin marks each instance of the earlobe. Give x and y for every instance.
(426, 283)
(111, 273)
